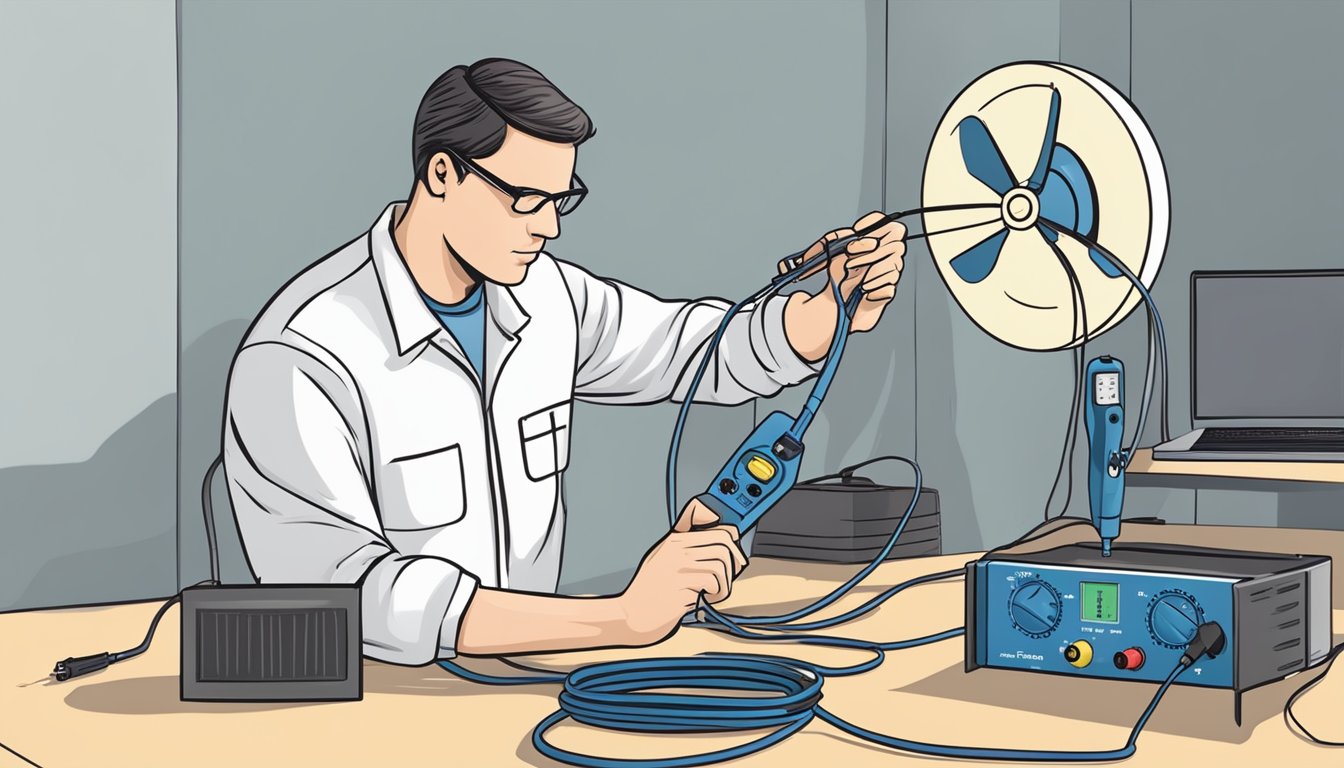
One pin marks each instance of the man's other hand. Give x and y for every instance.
(695, 557)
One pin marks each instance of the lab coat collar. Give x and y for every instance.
(412, 320)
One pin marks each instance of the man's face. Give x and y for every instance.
(478, 220)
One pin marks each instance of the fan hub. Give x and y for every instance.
(1020, 209)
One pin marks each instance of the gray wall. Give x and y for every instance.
(755, 131)
(977, 436)
(87, 302)
(1247, 101)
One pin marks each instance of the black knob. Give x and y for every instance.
(1115, 417)
(753, 490)
(726, 485)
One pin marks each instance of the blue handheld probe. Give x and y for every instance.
(765, 466)
(1106, 461)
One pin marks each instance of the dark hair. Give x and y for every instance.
(467, 109)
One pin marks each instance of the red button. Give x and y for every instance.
(1130, 658)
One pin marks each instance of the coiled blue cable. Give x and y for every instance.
(614, 695)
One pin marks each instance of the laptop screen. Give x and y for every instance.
(1267, 345)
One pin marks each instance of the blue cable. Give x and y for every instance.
(844, 314)
(867, 570)
(680, 427)
(613, 695)
(983, 753)
(862, 609)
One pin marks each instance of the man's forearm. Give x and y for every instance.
(499, 622)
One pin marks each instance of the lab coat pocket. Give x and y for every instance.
(424, 490)
(545, 439)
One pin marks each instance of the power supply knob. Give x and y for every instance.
(1173, 618)
(1034, 608)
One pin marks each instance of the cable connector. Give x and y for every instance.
(1209, 641)
(74, 667)
(786, 447)
(1118, 461)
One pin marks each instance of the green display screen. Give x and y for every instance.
(1101, 602)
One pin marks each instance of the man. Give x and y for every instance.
(399, 412)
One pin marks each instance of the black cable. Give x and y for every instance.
(153, 625)
(1288, 715)
(208, 508)
(75, 666)
(849, 470)
(1071, 434)
(1065, 521)
(1155, 317)
(1028, 537)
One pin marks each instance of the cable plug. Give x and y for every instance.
(1119, 460)
(74, 667)
(1209, 641)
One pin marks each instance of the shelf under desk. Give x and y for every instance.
(1143, 463)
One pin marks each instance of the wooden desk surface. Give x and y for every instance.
(130, 714)
(1303, 471)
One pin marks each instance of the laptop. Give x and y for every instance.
(1266, 367)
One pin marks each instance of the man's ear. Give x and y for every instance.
(439, 174)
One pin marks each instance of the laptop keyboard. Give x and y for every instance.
(1304, 439)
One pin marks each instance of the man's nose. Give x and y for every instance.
(545, 223)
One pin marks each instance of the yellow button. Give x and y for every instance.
(760, 468)
(1079, 653)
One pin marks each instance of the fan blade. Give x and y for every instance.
(975, 263)
(982, 157)
(1103, 263)
(1037, 180)
(1052, 231)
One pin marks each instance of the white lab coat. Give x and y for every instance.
(358, 443)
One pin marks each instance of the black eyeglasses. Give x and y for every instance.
(527, 199)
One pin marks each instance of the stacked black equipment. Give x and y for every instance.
(848, 519)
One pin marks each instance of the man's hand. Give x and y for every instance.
(684, 564)
(873, 263)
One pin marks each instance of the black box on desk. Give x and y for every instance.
(848, 522)
(272, 642)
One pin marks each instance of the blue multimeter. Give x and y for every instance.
(758, 475)
(1105, 418)
(765, 466)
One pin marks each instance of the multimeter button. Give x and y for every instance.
(753, 490)
(761, 468)
(726, 485)
(1130, 658)
(1079, 653)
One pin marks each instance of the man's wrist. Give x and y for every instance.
(609, 619)
(623, 630)
(809, 326)
(613, 620)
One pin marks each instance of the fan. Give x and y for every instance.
(1063, 154)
